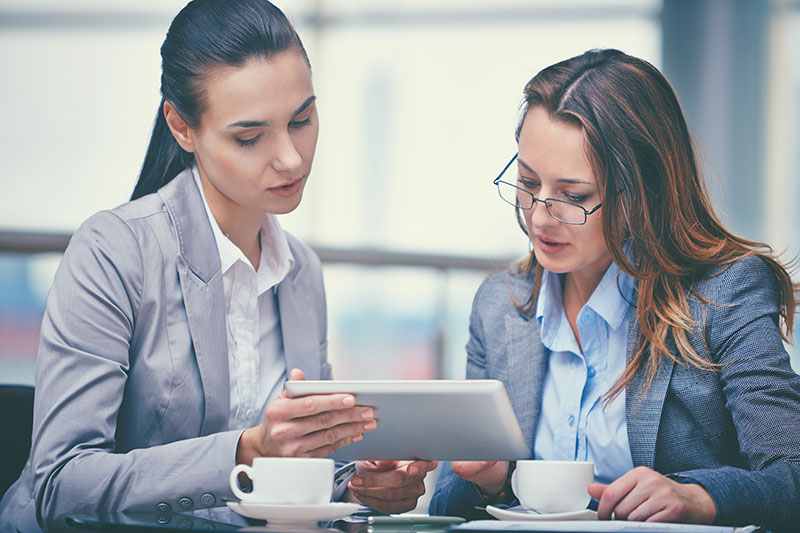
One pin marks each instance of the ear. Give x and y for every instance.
(180, 130)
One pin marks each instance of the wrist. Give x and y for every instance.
(706, 508)
(245, 448)
(501, 493)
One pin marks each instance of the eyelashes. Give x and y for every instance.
(247, 142)
(295, 124)
(576, 199)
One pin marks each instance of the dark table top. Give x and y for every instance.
(223, 519)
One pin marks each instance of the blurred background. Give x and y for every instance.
(418, 101)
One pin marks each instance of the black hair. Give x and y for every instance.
(205, 34)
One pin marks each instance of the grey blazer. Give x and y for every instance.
(735, 431)
(132, 393)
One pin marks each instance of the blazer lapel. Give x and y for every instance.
(201, 284)
(643, 410)
(527, 365)
(298, 324)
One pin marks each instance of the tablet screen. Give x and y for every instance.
(430, 419)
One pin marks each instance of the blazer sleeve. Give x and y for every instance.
(762, 393)
(82, 367)
(454, 496)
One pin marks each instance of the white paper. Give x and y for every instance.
(613, 526)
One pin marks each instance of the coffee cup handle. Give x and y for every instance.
(238, 469)
(514, 482)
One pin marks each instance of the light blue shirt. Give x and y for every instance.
(574, 425)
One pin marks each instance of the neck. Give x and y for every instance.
(240, 224)
(245, 234)
(579, 286)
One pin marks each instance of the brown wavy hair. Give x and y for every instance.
(654, 199)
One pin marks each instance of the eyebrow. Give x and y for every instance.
(263, 123)
(560, 180)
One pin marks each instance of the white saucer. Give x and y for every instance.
(294, 513)
(283, 527)
(520, 513)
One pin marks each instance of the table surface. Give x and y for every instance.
(224, 519)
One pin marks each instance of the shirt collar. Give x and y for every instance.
(549, 307)
(276, 257)
(610, 300)
(612, 296)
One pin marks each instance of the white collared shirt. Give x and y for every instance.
(574, 425)
(256, 358)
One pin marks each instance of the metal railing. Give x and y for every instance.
(39, 242)
(35, 242)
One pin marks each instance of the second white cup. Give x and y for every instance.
(552, 486)
(286, 481)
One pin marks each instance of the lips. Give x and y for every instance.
(548, 240)
(287, 189)
(549, 245)
(287, 184)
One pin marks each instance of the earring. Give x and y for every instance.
(530, 246)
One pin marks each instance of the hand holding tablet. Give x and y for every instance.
(429, 419)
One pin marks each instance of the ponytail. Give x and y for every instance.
(164, 160)
(206, 34)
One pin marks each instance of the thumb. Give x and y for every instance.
(374, 466)
(382, 466)
(296, 375)
(596, 490)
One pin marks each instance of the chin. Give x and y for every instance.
(556, 267)
(286, 205)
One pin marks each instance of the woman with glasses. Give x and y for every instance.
(639, 333)
(175, 319)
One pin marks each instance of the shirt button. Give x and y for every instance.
(584, 318)
(208, 499)
(250, 413)
(163, 507)
(591, 372)
(163, 518)
(186, 503)
(571, 420)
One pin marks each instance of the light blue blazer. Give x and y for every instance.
(735, 431)
(132, 387)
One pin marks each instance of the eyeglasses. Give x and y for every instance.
(561, 210)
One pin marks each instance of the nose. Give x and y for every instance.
(539, 217)
(287, 158)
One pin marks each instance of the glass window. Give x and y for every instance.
(782, 142)
(418, 105)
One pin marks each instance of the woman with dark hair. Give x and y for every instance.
(175, 319)
(639, 333)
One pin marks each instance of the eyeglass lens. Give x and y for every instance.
(560, 210)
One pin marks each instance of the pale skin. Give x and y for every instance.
(553, 164)
(254, 148)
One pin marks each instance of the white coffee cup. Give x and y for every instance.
(286, 480)
(552, 486)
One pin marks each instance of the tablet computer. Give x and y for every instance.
(439, 419)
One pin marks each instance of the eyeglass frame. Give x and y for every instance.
(547, 201)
